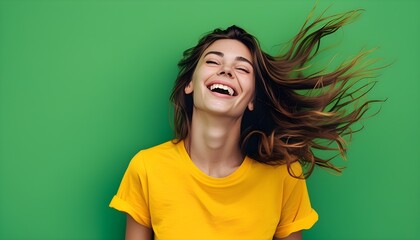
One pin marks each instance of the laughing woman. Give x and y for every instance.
(245, 135)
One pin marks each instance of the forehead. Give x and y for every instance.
(230, 48)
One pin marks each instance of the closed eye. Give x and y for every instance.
(211, 62)
(243, 70)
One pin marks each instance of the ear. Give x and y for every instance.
(189, 88)
(251, 106)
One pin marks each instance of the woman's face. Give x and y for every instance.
(223, 81)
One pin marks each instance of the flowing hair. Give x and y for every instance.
(295, 112)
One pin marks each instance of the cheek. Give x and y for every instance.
(202, 74)
(250, 85)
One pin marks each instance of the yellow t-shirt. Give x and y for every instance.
(163, 189)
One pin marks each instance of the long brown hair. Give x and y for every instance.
(295, 112)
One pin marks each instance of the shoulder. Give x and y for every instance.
(295, 167)
(163, 148)
(281, 171)
(157, 153)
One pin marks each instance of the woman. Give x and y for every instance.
(244, 128)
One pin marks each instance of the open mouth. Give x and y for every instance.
(222, 89)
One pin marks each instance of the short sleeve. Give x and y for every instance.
(132, 195)
(297, 213)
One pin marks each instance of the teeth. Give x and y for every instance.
(224, 87)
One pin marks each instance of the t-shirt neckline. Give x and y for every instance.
(231, 179)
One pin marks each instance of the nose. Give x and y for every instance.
(225, 71)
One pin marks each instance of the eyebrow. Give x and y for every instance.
(239, 58)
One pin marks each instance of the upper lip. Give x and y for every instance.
(223, 83)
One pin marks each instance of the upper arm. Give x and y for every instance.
(296, 210)
(133, 194)
(293, 236)
(136, 231)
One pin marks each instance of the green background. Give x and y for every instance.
(84, 85)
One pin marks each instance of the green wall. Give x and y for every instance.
(85, 84)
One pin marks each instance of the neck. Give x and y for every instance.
(213, 143)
